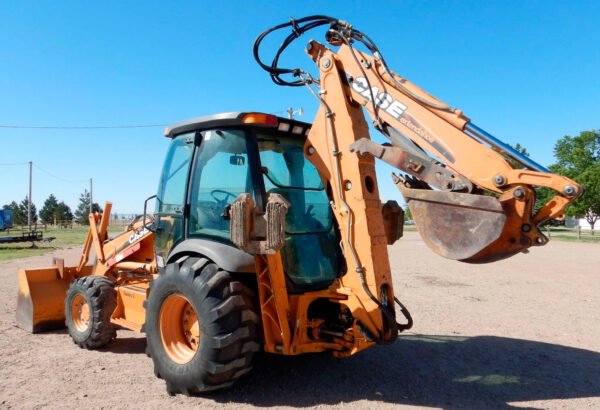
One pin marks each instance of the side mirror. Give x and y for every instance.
(149, 222)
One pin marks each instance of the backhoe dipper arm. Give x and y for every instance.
(438, 145)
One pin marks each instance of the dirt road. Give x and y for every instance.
(522, 332)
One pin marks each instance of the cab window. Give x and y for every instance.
(171, 193)
(220, 175)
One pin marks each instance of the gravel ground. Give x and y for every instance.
(522, 332)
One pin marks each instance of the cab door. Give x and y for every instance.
(221, 173)
(171, 196)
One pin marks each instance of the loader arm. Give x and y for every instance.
(127, 260)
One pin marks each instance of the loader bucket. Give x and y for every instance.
(41, 298)
(461, 226)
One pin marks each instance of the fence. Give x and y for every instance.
(575, 232)
(25, 228)
(68, 224)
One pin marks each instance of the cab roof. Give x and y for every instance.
(232, 119)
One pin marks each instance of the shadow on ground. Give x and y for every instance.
(21, 247)
(127, 345)
(440, 371)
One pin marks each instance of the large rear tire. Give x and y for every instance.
(90, 303)
(201, 327)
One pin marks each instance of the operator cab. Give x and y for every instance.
(214, 159)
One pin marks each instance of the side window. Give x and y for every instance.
(221, 174)
(288, 173)
(171, 194)
(173, 181)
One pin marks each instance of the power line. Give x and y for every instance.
(14, 163)
(70, 181)
(59, 178)
(79, 127)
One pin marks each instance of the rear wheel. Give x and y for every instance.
(201, 327)
(90, 303)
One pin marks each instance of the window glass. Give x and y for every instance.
(171, 194)
(311, 251)
(221, 174)
(287, 172)
(171, 191)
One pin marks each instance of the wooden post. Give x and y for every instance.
(29, 216)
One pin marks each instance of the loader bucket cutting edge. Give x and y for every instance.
(41, 299)
(455, 225)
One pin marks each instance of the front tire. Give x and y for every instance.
(90, 303)
(201, 327)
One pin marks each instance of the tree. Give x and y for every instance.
(576, 154)
(407, 214)
(47, 211)
(588, 206)
(23, 206)
(62, 212)
(83, 209)
(19, 218)
(578, 158)
(521, 150)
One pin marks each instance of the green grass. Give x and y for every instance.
(556, 233)
(571, 238)
(65, 238)
(560, 233)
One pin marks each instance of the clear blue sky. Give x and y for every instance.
(526, 71)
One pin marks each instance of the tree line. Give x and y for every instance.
(53, 211)
(578, 157)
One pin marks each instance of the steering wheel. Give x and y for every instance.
(228, 194)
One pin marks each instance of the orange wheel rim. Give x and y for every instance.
(179, 328)
(80, 313)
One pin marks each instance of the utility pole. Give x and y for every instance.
(29, 197)
(291, 112)
(91, 196)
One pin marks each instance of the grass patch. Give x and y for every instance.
(571, 238)
(65, 238)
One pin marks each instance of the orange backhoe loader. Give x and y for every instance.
(269, 233)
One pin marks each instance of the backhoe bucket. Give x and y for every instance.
(459, 226)
(41, 298)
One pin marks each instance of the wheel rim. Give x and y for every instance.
(179, 328)
(80, 313)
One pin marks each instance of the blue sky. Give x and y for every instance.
(526, 71)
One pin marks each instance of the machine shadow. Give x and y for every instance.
(439, 371)
(15, 248)
(127, 345)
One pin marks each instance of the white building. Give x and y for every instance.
(583, 223)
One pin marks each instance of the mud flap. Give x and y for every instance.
(41, 297)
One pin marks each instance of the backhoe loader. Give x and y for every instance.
(269, 233)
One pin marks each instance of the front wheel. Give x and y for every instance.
(90, 303)
(201, 327)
